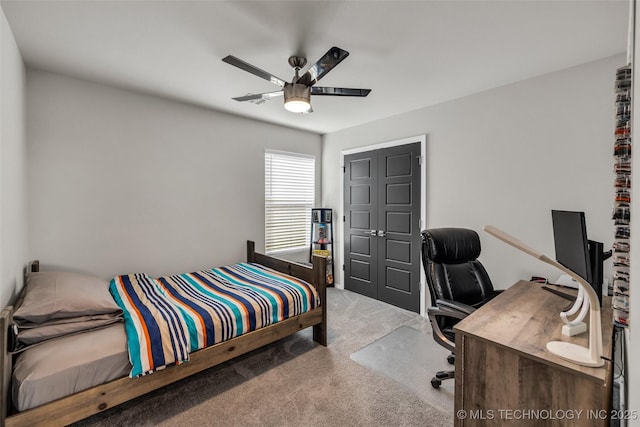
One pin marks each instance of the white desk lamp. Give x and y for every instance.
(586, 356)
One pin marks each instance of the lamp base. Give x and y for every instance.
(572, 330)
(574, 353)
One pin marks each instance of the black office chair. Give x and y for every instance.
(458, 284)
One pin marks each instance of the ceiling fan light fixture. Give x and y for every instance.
(297, 98)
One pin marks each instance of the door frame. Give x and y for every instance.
(422, 139)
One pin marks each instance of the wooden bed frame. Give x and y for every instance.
(99, 398)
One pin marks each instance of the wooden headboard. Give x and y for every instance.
(6, 358)
(6, 319)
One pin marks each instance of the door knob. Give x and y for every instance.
(373, 232)
(381, 233)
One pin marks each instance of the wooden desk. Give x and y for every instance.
(506, 376)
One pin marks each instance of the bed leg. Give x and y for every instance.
(320, 282)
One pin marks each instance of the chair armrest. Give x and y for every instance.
(455, 306)
(446, 308)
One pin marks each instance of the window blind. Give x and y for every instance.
(289, 197)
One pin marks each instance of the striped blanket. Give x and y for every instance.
(169, 317)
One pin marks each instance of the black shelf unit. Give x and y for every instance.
(322, 238)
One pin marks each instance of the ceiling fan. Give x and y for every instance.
(297, 94)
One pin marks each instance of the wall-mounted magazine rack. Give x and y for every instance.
(622, 187)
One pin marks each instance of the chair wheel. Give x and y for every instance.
(451, 359)
(435, 383)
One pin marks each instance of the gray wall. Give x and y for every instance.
(507, 157)
(13, 172)
(121, 182)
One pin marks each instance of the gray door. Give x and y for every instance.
(382, 225)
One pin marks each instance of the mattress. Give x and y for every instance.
(64, 366)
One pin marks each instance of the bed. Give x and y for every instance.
(108, 364)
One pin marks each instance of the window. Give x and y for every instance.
(288, 198)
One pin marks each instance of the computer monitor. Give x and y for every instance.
(575, 251)
(570, 238)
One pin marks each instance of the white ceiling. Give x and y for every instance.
(411, 54)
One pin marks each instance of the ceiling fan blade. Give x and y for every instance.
(232, 60)
(267, 95)
(329, 60)
(339, 91)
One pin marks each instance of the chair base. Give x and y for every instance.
(436, 381)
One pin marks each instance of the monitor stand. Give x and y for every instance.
(597, 256)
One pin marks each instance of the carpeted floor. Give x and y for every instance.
(295, 382)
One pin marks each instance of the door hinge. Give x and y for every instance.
(344, 218)
(419, 160)
(344, 169)
(342, 267)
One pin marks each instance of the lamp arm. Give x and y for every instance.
(591, 356)
(576, 305)
(580, 302)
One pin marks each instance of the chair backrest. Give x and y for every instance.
(450, 261)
